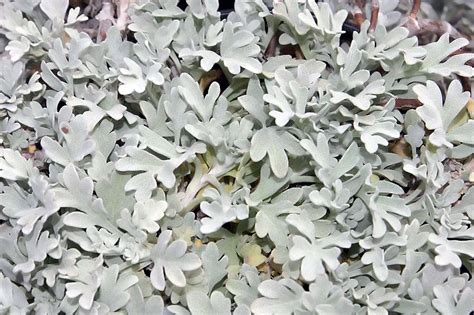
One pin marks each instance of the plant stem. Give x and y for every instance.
(272, 45)
(175, 61)
(415, 9)
(374, 14)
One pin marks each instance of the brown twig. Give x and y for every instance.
(359, 17)
(426, 26)
(272, 45)
(415, 8)
(407, 103)
(357, 13)
(299, 53)
(374, 14)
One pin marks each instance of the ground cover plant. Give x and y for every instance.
(291, 157)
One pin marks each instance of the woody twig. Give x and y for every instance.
(358, 16)
(415, 8)
(272, 45)
(420, 27)
(374, 14)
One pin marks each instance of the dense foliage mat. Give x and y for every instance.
(170, 161)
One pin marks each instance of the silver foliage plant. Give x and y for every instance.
(154, 190)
